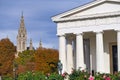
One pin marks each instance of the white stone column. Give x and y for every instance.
(62, 51)
(99, 52)
(79, 52)
(118, 48)
(69, 55)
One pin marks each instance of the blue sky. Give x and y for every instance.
(37, 16)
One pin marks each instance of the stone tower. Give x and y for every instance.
(40, 44)
(22, 36)
(31, 45)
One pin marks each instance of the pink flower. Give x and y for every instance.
(108, 78)
(63, 75)
(91, 77)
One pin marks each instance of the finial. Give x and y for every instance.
(22, 14)
(40, 44)
(31, 46)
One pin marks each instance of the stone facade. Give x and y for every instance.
(96, 31)
(22, 37)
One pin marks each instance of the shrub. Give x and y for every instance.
(75, 75)
(55, 76)
(38, 76)
(78, 75)
(31, 76)
(7, 78)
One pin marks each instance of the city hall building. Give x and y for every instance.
(89, 37)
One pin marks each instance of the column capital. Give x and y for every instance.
(81, 33)
(97, 32)
(70, 36)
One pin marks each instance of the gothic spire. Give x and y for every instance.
(31, 45)
(40, 44)
(22, 14)
(22, 25)
(22, 36)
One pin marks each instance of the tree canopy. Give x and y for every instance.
(25, 61)
(46, 60)
(43, 59)
(7, 52)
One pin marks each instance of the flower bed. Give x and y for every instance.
(75, 75)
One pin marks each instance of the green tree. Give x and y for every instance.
(25, 56)
(25, 61)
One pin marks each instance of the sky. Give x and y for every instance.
(37, 18)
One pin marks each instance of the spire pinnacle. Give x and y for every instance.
(40, 44)
(22, 14)
(22, 25)
(31, 46)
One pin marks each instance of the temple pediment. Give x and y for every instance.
(95, 8)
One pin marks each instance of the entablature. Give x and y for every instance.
(95, 28)
(89, 22)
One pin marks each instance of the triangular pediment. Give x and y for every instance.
(93, 8)
(99, 9)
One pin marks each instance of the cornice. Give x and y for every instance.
(93, 16)
(114, 0)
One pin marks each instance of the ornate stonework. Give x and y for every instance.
(22, 36)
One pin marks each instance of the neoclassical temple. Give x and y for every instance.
(89, 37)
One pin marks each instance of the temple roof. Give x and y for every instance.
(96, 7)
